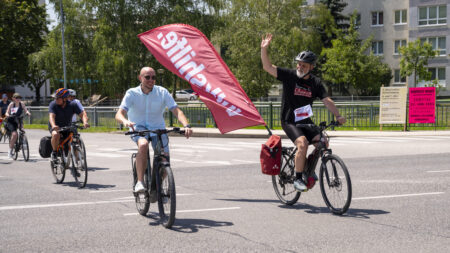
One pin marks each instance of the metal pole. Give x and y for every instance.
(62, 36)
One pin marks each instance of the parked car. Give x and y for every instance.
(184, 95)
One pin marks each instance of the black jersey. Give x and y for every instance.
(298, 92)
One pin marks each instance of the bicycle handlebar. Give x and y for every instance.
(71, 127)
(158, 131)
(322, 126)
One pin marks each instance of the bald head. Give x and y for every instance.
(146, 70)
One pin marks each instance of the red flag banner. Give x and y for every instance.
(187, 52)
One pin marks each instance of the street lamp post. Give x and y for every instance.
(62, 36)
(160, 73)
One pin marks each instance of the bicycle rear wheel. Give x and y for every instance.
(80, 172)
(59, 168)
(167, 197)
(25, 148)
(142, 199)
(335, 184)
(283, 183)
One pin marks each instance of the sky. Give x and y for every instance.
(51, 15)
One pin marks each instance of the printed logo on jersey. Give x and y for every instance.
(302, 92)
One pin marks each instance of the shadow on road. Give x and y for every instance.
(96, 168)
(188, 225)
(353, 213)
(89, 186)
(253, 200)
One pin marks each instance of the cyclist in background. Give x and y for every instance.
(300, 89)
(60, 113)
(3, 105)
(72, 98)
(13, 112)
(145, 105)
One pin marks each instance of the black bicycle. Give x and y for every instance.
(71, 154)
(335, 183)
(21, 141)
(160, 181)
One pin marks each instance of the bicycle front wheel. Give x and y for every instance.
(283, 183)
(80, 172)
(59, 167)
(25, 148)
(16, 149)
(167, 197)
(335, 184)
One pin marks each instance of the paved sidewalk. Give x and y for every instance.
(263, 133)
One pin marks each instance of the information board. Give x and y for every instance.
(393, 105)
(422, 105)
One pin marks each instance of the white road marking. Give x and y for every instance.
(3, 208)
(178, 195)
(106, 191)
(108, 155)
(399, 196)
(196, 210)
(437, 171)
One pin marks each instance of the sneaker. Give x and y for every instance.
(53, 156)
(152, 196)
(139, 187)
(299, 185)
(10, 155)
(315, 176)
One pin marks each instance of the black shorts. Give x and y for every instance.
(64, 134)
(294, 132)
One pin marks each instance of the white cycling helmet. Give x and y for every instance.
(72, 93)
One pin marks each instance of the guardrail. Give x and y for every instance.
(357, 114)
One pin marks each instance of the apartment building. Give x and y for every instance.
(393, 23)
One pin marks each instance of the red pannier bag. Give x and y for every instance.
(271, 156)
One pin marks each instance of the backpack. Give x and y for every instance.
(271, 156)
(45, 146)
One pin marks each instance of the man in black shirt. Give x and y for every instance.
(300, 89)
(60, 112)
(4, 104)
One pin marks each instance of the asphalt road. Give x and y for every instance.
(401, 200)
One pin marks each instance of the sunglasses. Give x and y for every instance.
(150, 77)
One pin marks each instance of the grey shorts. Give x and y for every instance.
(153, 139)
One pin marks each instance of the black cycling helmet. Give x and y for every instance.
(306, 56)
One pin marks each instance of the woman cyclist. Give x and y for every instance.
(15, 109)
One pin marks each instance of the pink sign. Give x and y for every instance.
(422, 105)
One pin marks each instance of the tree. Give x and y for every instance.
(348, 65)
(335, 7)
(414, 58)
(293, 25)
(22, 29)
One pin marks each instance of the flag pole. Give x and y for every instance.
(268, 129)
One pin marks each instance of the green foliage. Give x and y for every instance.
(102, 43)
(293, 26)
(415, 57)
(22, 28)
(349, 67)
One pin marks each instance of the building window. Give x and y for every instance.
(377, 18)
(433, 15)
(377, 47)
(400, 17)
(437, 43)
(437, 73)
(398, 78)
(357, 21)
(397, 44)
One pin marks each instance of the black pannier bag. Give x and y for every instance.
(45, 146)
